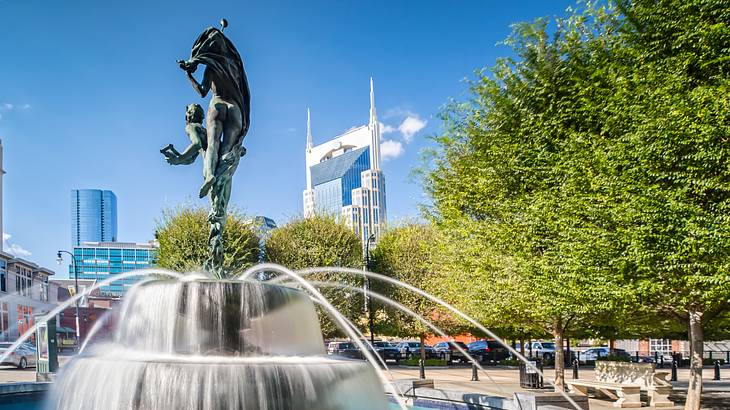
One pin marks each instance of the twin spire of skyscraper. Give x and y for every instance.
(373, 124)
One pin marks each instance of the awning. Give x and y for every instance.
(61, 329)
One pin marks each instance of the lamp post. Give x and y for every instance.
(368, 300)
(59, 259)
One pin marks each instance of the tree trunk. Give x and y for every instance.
(694, 390)
(611, 345)
(522, 347)
(559, 358)
(422, 353)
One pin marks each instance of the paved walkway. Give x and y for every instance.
(501, 381)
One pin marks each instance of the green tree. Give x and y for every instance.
(320, 241)
(593, 166)
(673, 154)
(183, 236)
(408, 253)
(518, 186)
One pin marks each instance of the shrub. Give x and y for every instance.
(413, 361)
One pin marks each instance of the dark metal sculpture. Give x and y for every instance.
(221, 144)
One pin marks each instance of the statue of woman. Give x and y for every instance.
(229, 109)
(227, 124)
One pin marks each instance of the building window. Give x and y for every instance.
(25, 318)
(44, 289)
(4, 322)
(660, 345)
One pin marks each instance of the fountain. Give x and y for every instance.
(215, 344)
(210, 342)
(207, 342)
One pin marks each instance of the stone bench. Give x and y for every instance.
(644, 375)
(625, 395)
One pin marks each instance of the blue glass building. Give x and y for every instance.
(100, 260)
(333, 180)
(344, 179)
(93, 216)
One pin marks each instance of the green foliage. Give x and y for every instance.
(407, 253)
(613, 358)
(183, 236)
(518, 188)
(414, 361)
(321, 241)
(586, 182)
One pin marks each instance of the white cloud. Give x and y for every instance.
(25, 107)
(386, 129)
(8, 106)
(391, 149)
(13, 248)
(398, 112)
(410, 126)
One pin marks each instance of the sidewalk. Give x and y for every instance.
(503, 381)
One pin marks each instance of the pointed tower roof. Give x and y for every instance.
(310, 143)
(374, 131)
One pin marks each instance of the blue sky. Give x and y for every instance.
(89, 93)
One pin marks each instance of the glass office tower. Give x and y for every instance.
(344, 177)
(101, 260)
(93, 216)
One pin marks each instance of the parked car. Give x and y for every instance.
(593, 354)
(488, 351)
(444, 349)
(339, 347)
(22, 357)
(385, 350)
(543, 350)
(414, 349)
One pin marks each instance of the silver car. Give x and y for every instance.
(22, 357)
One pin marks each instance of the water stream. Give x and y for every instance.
(195, 342)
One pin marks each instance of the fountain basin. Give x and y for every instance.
(134, 381)
(215, 344)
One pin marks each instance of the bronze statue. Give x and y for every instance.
(221, 144)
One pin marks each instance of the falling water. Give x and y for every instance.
(411, 313)
(215, 344)
(373, 275)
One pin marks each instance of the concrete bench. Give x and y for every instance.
(644, 375)
(625, 395)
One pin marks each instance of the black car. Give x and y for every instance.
(385, 350)
(488, 351)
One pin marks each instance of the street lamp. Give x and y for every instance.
(59, 259)
(368, 300)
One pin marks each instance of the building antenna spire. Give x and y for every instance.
(373, 116)
(310, 143)
(374, 131)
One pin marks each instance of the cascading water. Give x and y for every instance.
(215, 344)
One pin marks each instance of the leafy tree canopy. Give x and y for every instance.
(183, 236)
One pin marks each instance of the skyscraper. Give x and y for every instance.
(102, 260)
(344, 177)
(93, 216)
